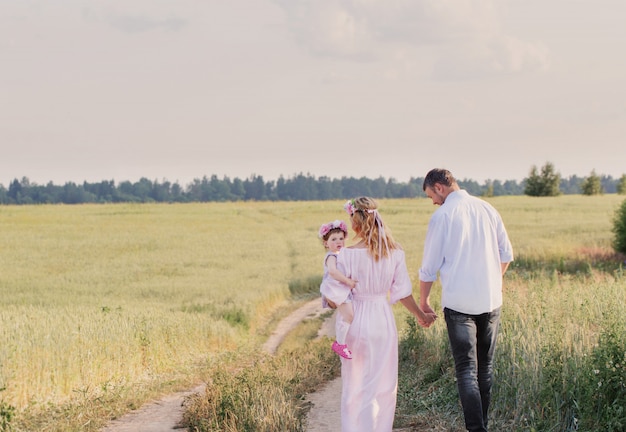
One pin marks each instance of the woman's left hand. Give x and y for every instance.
(427, 319)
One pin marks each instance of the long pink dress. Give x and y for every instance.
(370, 379)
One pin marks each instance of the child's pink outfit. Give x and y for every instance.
(337, 293)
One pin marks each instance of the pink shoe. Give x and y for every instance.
(342, 350)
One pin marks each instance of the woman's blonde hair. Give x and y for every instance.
(370, 227)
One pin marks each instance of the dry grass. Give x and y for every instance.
(103, 306)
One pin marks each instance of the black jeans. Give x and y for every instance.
(473, 343)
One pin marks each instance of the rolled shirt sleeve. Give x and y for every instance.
(434, 245)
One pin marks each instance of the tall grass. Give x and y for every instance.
(561, 356)
(563, 339)
(256, 392)
(103, 299)
(105, 306)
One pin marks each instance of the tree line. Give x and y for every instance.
(300, 187)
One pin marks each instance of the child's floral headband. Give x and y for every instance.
(326, 228)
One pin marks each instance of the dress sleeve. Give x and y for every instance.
(401, 285)
(328, 255)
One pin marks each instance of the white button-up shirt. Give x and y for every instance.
(466, 243)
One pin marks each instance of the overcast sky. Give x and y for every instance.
(179, 89)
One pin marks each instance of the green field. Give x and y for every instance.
(104, 306)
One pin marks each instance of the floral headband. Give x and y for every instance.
(350, 207)
(337, 224)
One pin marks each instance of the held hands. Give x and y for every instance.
(427, 317)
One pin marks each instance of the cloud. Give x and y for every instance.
(330, 28)
(463, 32)
(139, 24)
(496, 56)
(134, 20)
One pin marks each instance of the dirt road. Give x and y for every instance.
(164, 415)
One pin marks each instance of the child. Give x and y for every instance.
(333, 236)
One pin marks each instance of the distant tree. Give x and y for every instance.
(298, 187)
(75, 194)
(49, 194)
(592, 185)
(177, 192)
(143, 190)
(545, 183)
(511, 187)
(471, 186)
(221, 188)
(410, 190)
(303, 187)
(609, 184)
(160, 192)
(237, 190)
(255, 188)
(200, 190)
(488, 189)
(621, 185)
(399, 190)
(619, 229)
(4, 196)
(126, 192)
(15, 190)
(416, 184)
(497, 188)
(353, 187)
(324, 188)
(378, 187)
(571, 184)
(534, 185)
(104, 191)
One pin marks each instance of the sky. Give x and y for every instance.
(177, 90)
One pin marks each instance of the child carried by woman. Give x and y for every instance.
(333, 235)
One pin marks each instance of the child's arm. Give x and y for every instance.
(331, 263)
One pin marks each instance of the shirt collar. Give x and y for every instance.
(456, 195)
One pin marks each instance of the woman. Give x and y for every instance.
(370, 378)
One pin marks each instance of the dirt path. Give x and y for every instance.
(165, 414)
(311, 309)
(325, 414)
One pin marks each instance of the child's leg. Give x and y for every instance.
(346, 311)
(344, 319)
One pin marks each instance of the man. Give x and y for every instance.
(468, 247)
